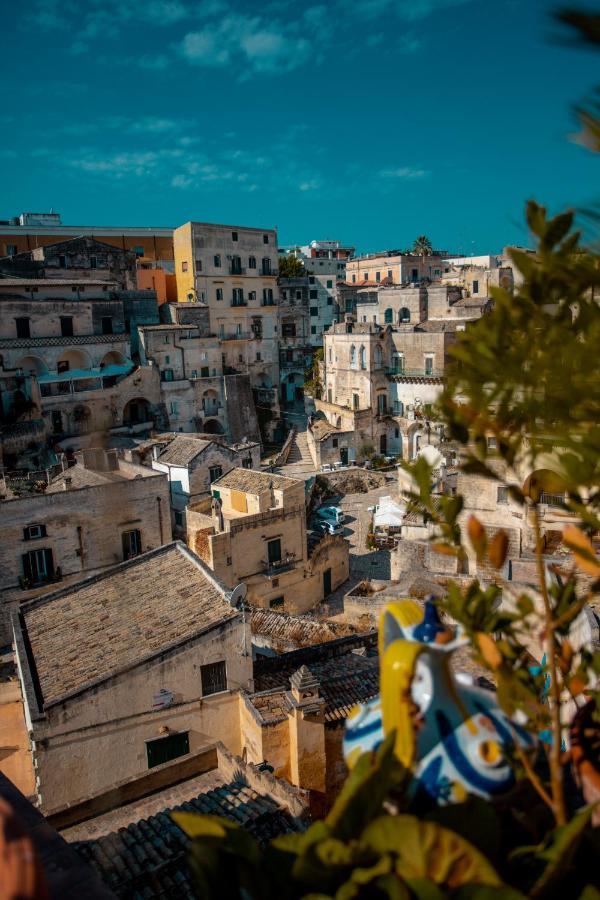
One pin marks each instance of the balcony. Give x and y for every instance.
(237, 270)
(268, 302)
(267, 273)
(239, 303)
(57, 340)
(395, 372)
(236, 336)
(277, 567)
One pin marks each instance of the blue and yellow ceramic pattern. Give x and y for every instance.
(450, 732)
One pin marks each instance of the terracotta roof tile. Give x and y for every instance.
(109, 622)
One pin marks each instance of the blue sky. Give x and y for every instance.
(370, 121)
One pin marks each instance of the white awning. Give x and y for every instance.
(81, 374)
(389, 513)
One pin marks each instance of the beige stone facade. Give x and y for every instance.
(233, 271)
(256, 534)
(89, 717)
(90, 517)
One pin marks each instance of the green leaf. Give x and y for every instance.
(558, 851)
(365, 789)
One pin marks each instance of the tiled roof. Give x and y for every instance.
(343, 681)
(182, 450)
(82, 477)
(149, 858)
(85, 633)
(298, 630)
(253, 482)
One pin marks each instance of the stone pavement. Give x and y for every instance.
(364, 563)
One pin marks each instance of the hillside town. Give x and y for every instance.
(204, 510)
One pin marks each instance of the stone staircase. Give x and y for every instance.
(299, 464)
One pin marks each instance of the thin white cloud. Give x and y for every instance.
(406, 173)
(248, 37)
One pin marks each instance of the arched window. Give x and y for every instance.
(404, 315)
(352, 357)
(378, 355)
(389, 316)
(363, 358)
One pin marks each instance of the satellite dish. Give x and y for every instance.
(238, 594)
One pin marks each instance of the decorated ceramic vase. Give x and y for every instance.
(451, 733)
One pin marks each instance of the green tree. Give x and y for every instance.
(290, 267)
(422, 246)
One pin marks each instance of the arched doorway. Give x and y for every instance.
(137, 411)
(212, 426)
(73, 359)
(292, 384)
(210, 402)
(32, 365)
(113, 358)
(80, 418)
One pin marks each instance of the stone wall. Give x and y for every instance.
(83, 529)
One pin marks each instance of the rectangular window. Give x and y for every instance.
(234, 235)
(38, 566)
(66, 326)
(221, 331)
(184, 266)
(313, 295)
(11, 249)
(32, 532)
(194, 373)
(354, 279)
(132, 543)
(429, 365)
(62, 261)
(166, 375)
(334, 442)
(311, 279)
(258, 357)
(355, 401)
(138, 250)
(266, 266)
(198, 265)
(178, 517)
(93, 262)
(313, 329)
(265, 238)
(274, 551)
(277, 602)
(389, 275)
(215, 472)
(251, 262)
(219, 293)
(217, 261)
(166, 748)
(377, 276)
(330, 284)
(502, 495)
(314, 310)
(107, 325)
(23, 329)
(174, 408)
(365, 276)
(251, 295)
(475, 287)
(214, 678)
(247, 463)
(492, 443)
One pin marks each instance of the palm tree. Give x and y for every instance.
(422, 246)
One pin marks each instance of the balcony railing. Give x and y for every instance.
(236, 336)
(414, 373)
(557, 500)
(239, 303)
(237, 270)
(272, 302)
(55, 340)
(276, 567)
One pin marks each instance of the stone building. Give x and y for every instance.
(295, 347)
(81, 258)
(127, 670)
(153, 247)
(233, 271)
(395, 267)
(256, 533)
(192, 464)
(325, 265)
(94, 514)
(74, 339)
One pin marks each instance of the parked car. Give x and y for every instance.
(323, 526)
(331, 514)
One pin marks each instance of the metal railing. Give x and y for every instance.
(557, 500)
